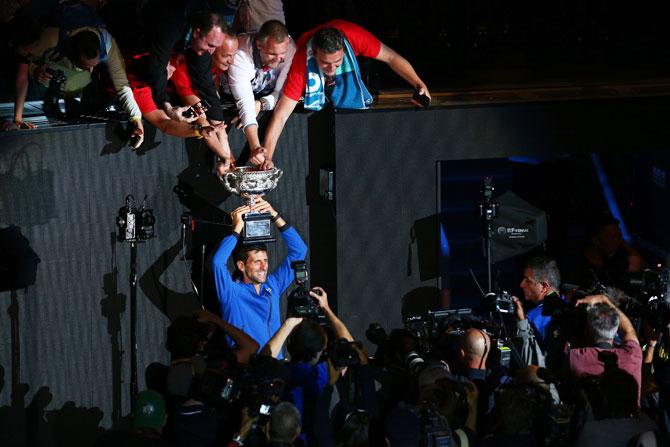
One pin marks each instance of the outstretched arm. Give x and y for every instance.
(262, 155)
(403, 68)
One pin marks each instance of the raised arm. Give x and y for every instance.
(339, 327)
(274, 345)
(245, 346)
(626, 329)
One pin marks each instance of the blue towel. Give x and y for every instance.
(349, 91)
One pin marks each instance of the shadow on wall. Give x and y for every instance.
(26, 191)
(33, 425)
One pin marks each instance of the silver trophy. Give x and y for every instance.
(248, 183)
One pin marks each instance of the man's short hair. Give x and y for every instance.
(546, 269)
(306, 341)
(329, 40)
(274, 29)
(284, 423)
(241, 252)
(84, 44)
(206, 20)
(602, 320)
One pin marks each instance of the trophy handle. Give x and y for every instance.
(226, 182)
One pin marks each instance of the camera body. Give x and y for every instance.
(498, 302)
(300, 303)
(342, 354)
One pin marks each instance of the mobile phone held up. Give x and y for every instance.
(420, 100)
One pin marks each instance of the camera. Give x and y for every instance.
(300, 303)
(57, 76)
(651, 283)
(51, 106)
(343, 354)
(498, 302)
(135, 224)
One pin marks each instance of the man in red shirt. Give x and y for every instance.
(159, 119)
(328, 45)
(222, 59)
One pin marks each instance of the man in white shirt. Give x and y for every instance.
(256, 78)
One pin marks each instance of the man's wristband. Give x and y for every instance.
(197, 129)
(275, 218)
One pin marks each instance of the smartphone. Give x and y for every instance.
(420, 100)
(196, 109)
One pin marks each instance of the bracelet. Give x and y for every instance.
(275, 218)
(197, 129)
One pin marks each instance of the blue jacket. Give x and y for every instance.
(257, 314)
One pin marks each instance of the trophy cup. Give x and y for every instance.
(248, 183)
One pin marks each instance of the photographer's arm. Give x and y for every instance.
(245, 346)
(626, 329)
(339, 328)
(530, 352)
(274, 345)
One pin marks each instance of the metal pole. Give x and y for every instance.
(133, 323)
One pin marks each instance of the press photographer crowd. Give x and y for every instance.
(561, 365)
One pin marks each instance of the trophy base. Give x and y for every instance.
(257, 228)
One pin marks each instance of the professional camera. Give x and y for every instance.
(342, 354)
(651, 283)
(265, 384)
(217, 388)
(135, 224)
(51, 105)
(300, 303)
(498, 302)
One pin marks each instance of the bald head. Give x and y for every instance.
(475, 348)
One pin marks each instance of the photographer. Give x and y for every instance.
(541, 278)
(603, 320)
(252, 302)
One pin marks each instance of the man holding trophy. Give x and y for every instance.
(251, 302)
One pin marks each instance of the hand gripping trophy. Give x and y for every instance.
(249, 183)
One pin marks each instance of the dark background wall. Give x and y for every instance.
(387, 182)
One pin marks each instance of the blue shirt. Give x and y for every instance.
(257, 314)
(540, 322)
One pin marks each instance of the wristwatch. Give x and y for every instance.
(264, 104)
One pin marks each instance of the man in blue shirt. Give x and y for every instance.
(251, 303)
(541, 278)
